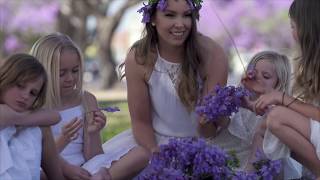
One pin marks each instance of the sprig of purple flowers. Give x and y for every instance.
(222, 101)
(110, 109)
(146, 10)
(194, 159)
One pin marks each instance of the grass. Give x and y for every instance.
(117, 121)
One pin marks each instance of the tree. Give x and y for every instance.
(73, 18)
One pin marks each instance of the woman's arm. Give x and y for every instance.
(95, 122)
(9, 117)
(50, 157)
(214, 69)
(139, 103)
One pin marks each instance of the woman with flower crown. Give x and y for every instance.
(167, 72)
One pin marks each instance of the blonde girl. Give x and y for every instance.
(77, 135)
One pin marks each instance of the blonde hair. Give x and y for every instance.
(306, 16)
(22, 68)
(48, 50)
(282, 67)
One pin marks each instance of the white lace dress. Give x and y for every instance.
(20, 153)
(169, 116)
(73, 152)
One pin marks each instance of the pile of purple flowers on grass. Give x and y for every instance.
(222, 101)
(187, 159)
(194, 159)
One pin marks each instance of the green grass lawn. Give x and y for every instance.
(117, 121)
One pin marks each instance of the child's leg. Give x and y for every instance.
(293, 129)
(130, 165)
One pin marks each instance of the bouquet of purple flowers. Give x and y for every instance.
(222, 101)
(194, 159)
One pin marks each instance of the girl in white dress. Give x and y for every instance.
(77, 135)
(295, 121)
(23, 145)
(267, 71)
(165, 72)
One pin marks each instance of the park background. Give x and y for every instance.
(105, 30)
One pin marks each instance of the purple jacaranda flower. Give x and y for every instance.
(110, 109)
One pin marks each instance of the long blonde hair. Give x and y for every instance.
(48, 50)
(306, 16)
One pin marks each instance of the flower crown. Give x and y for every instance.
(162, 5)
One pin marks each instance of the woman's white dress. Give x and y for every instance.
(170, 118)
(20, 153)
(73, 152)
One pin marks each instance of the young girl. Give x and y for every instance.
(267, 70)
(77, 135)
(167, 71)
(22, 94)
(295, 120)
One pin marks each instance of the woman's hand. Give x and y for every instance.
(97, 122)
(69, 132)
(75, 172)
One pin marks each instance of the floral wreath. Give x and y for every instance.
(162, 5)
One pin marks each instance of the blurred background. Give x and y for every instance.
(105, 30)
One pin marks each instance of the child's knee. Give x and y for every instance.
(273, 121)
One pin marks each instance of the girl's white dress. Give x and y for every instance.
(170, 118)
(275, 149)
(239, 134)
(73, 152)
(20, 153)
(238, 137)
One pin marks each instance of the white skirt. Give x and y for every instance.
(121, 144)
(274, 149)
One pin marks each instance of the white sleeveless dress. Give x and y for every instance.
(170, 118)
(73, 152)
(20, 153)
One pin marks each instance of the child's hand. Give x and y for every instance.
(75, 172)
(69, 132)
(97, 122)
(263, 103)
